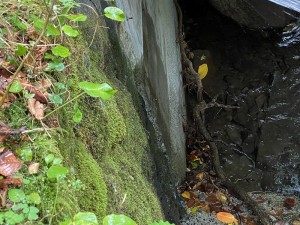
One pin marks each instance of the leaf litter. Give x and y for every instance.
(202, 192)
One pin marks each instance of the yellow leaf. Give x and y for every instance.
(226, 217)
(186, 194)
(203, 70)
(221, 196)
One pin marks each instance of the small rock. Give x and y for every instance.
(261, 100)
(234, 134)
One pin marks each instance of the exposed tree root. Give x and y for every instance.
(198, 115)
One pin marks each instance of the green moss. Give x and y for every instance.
(108, 149)
(84, 167)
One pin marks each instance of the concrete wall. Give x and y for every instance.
(147, 59)
(148, 39)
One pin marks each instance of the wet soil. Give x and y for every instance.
(258, 142)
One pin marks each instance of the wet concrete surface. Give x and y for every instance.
(259, 143)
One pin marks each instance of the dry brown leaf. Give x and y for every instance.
(260, 199)
(191, 202)
(3, 194)
(13, 181)
(4, 128)
(214, 203)
(296, 222)
(281, 222)
(203, 206)
(9, 164)
(276, 213)
(40, 96)
(200, 176)
(36, 108)
(33, 168)
(290, 202)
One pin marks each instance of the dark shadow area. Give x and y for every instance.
(258, 142)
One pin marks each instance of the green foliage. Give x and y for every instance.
(57, 172)
(69, 31)
(21, 50)
(103, 91)
(114, 13)
(23, 209)
(16, 195)
(125, 220)
(76, 18)
(16, 87)
(118, 220)
(162, 223)
(77, 117)
(61, 51)
(82, 218)
(37, 197)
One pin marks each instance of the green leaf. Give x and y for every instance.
(3, 31)
(78, 17)
(49, 56)
(66, 2)
(55, 66)
(38, 24)
(118, 220)
(103, 90)
(19, 206)
(61, 51)
(67, 222)
(54, 98)
(21, 50)
(26, 154)
(12, 218)
(49, 158)
(33, 213)
(77, 117)
(13, 61)
(27, 94)
(34, 198)
(16, 87)
(70, 31)
(16, 22)
(60, 85)
(114, 13)
(50, 29)
(85, 218)
(57, 161)
(56, 172)
(162, 223)
(16, 195)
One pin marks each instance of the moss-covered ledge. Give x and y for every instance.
(108, 151)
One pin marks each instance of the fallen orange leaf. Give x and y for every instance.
(226, 217)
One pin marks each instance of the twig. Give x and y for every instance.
(28, 54)
(23, 130)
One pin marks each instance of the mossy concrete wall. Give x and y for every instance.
(108, 151)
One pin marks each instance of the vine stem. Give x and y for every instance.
(28, 54)
(66, 103)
